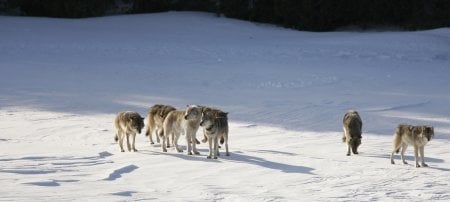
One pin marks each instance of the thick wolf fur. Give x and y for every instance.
(352, 131)
(418, 136)
(183, 122)
(155, 119)
(126, 124)
(215, 127)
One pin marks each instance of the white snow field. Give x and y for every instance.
(63, 80)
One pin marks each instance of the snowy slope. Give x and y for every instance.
(63, 80)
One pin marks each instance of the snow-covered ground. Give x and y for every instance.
(63, 80)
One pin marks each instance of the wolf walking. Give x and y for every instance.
(126, 124)
(352, 131)
(418, 136)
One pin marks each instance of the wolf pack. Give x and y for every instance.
(168, 124)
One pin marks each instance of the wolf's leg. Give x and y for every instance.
(423, 164)
(404, 146)
(128, 142)
(163, 145)
(396, 148)
(204, 137)
(150, 133)
(416, 155)
(226, 145)
(175, 142)
(348, 149)
(188, 142)
(134, 140)
(216, 144)
(120, 137)
(159, 131)
(194, 143)
(210, 148)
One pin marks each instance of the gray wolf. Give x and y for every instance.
(352, 131)
(183, 123)
(155, 119)
(418, 136)
(126, 124)
(215, 127)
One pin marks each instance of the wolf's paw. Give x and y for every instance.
(164, 150)
(208, 157)
(424, 165)
(348, 154)
(152, 143)
(135, 150)
(215, 157)
(417, 166)
(405, 163)
(189, 153)
(196, 152)
(227, 154)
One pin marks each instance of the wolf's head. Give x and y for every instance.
(207, 118)
(210, 116)
(193, 112)
(426, 132)
(138, 123)
(354, 144)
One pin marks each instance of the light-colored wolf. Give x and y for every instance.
(155, 119)
(418, 136)
(215, 127)
(183, 122)
(352, 131)
(126, 124)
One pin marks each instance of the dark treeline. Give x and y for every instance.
(314, 15)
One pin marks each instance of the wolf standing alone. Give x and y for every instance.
(352, 131)
(128, 123)
(418, 136)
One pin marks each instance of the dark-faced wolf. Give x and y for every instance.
(128, 124)
(352, 131)
(215, 127)
(155, 119)
(418, 136)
